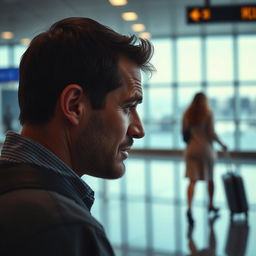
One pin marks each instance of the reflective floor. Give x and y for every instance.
(209, 236)
(144, 213)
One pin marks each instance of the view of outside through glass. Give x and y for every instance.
(221, 66)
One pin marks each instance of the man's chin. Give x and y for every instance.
(116, 172)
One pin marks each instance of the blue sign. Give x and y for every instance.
(9, 75)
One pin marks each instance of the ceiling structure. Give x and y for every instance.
(27, 18)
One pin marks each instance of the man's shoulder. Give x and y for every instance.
(39, 201)
(30, 216)
(27, 212)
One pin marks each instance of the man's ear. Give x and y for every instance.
(72, 103)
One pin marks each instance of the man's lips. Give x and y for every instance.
(125, 148)
(125, 151)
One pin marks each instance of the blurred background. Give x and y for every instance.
(144, 212)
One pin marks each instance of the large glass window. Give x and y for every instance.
(180, 74)
(189, 60)
(247, 115)
(247, 101)
(226, 132)
(160, 104)
(18, 51)
(247, 135)
(219, 57)
(4, 57)
(159, 135)
(162, 60)
(10, 109)
(247, 57)
(221, 99)
(160, 114)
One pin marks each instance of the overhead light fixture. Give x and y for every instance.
(118, 2)
(129, 16)
(25, 41)
(138, 27)
(145, 35)
(7, 35)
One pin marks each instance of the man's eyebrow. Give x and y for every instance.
(136, 98)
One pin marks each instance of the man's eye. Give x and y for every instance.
(129, 108)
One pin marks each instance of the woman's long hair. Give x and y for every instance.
(198, 109)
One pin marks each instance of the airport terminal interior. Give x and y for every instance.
(144, 212)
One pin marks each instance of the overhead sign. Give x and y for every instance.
(221, 13)
(9, 75)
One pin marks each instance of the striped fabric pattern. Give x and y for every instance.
(20, 149)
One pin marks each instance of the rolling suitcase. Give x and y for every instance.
(235, 192)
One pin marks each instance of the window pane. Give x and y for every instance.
(135, 177)
(219, 58)
(10, 108)
(159, 135)
(18, 51)
(247, 102)
(247, 135)
(114, 187)
(137, 218)
(221, 101)
(160, 103)
(114, 225)
(225, 131)
(189, 60)
(249, 177)
(162, 61)
(160, 110)
(247, 57)
(4, 57)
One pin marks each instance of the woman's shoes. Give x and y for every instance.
(190, 218)
(213, 210)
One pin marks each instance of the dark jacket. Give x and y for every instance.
(41, 214)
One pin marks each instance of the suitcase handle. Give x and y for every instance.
(227, 159)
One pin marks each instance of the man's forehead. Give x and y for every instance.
(131, 78)
(129, 69)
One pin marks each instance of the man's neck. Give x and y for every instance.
(50, 137)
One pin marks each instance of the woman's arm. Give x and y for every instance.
(213, 134)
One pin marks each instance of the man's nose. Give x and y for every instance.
(136, 129)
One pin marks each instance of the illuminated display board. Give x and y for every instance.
(221, 13)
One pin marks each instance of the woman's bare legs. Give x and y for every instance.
(190, 195)
(211, 193)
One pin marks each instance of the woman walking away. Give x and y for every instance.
(198, 132)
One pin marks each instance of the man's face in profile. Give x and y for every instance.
(108, 134)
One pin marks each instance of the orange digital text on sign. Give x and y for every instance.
(198, 14)
(248, 13)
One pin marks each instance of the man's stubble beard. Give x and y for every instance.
(94, 153)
